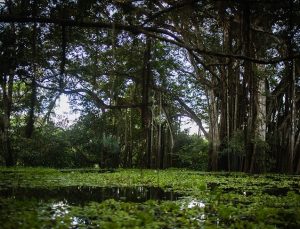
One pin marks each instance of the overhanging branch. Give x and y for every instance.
(161, 34)
(97, 101)
(193, 116)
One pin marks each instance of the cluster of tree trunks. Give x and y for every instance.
(241, 101)
(241, 95)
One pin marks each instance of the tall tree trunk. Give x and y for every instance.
(159, 132)
(260, 134)
(253, 125)
(146, 115)
(7, 90)
(293, 119)
(162, 147)
(297, 157)
(251, 91)
(30, 118)
(247, 76)
(228, 73)
(214, 131)
(131, 140)
(7, 82)
(126, 137)
(169, 155)
(236, 157)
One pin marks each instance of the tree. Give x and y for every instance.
(140, 65)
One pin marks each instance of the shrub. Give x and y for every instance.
(191, 152)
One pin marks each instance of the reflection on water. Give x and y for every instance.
(187, 202)
(195, 203)
(199, 204)
(59, 201)
(87, 170)
(79, 221)
(79, 195)
(59, 209)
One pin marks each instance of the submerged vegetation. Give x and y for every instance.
(147, 199)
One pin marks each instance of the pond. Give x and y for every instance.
(56, 203)
(45, 198)
(80, 195)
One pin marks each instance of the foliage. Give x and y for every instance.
(191, 152)
(84, 144)
(138, 67)
(236, 144)
(48, 147)
(209, 200)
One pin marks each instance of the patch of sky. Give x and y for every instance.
(277, 27)
(112, 10)
(189, 126)
(64, 112)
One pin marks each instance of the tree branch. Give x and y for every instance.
(150, 31)
(169, 9)
(192, 115)
(98, 102)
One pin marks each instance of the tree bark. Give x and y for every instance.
(214, 131)
(30, 118)
(169, 155)
(293, 119)
(7, 90)
(146, 114)
(261, 122)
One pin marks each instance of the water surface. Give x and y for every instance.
(83, 194)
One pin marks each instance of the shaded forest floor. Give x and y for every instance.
(49, 198)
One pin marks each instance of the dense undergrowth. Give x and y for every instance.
(206, 200)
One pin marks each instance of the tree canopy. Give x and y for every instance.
(134, 68)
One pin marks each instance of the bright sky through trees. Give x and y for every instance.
(136, 72)
(64, 112)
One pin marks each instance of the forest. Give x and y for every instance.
(133, 69)
(134, 72)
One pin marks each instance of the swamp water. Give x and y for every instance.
(170, 199)
(56, 203)
(81, 195)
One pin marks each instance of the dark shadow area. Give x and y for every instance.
(88, 170)
(79, 195)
